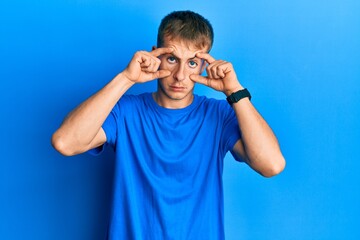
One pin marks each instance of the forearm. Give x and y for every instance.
(260, 144)
(82, 125)
(81, 130)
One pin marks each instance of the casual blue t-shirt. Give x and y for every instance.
(169, 164)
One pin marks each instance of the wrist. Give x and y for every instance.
(233, 90)
(122, 77)
(238, 95)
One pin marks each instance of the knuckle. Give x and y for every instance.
(139, 54)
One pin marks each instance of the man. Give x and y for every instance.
(170, 144)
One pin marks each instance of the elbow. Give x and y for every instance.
(276, 167)
(61, 145)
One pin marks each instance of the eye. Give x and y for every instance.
(171, 59)
(193, 64)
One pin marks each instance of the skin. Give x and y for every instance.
(177, 66)
(176, 90)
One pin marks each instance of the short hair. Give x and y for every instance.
(188, 26)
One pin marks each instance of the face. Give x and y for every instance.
(177, 89)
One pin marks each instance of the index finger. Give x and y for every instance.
(207, 57)
(160, 51)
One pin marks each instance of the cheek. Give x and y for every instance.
(167, 66)
(196, 70)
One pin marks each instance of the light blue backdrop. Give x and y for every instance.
(300, 59)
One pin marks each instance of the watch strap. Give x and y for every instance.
(237, 96)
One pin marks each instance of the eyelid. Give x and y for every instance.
(195, 64)
(173, 58)
(189, 59)
(172, 55)
(197, 60)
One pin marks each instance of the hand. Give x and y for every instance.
(220, 75)
(144, 66)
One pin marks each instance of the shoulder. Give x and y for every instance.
(132, 99)
(130, 102)
(218, 109)
(212, 103)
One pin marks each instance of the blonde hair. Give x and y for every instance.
(187, 26)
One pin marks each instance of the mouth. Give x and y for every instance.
(177, 88)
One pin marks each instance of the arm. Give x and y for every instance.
(258, 146)
(81, 129)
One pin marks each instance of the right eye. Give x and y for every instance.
(171, 59)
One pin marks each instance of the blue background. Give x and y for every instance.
(300, 59)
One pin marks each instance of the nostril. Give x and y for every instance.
(179, 76)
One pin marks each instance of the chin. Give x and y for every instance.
(177, 96)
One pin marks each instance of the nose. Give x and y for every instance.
(180, 72)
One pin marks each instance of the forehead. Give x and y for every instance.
(183, 49)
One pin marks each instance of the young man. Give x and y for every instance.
(170, 144)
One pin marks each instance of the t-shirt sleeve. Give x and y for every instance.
(110, 129)
(231, 131)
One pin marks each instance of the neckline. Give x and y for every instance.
(159, 108)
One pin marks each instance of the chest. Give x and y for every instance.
(176, 147)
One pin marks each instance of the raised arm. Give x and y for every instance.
(81, 130)
(258, 146)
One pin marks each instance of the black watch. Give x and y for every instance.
(237, 96)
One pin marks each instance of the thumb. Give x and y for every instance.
(199, 79)
(161, 74)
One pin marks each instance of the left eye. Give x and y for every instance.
(193, 64)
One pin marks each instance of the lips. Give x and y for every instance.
(177, 88)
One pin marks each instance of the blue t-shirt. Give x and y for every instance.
(169, 164)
